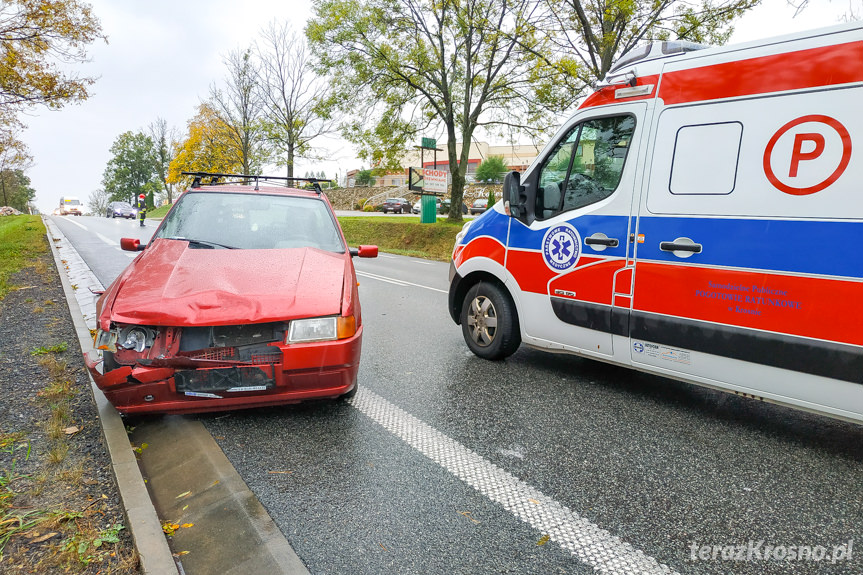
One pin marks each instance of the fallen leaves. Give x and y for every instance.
(183, 494)
(42, 538)
(468, 515)
(169, 527)
(71, 430)
(543, 540)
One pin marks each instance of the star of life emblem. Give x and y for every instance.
(561, 247)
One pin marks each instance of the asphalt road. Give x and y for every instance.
(446, 463)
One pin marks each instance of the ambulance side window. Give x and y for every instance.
(586, 165)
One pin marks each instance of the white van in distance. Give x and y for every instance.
(70, 205)
(700, 217)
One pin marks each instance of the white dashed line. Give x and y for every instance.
(397, 281)
(108, 241)
(386, 257)
(421, 262)
(588, 542)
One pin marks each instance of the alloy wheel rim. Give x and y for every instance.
(482, 321)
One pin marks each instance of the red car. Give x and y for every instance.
(244, 297)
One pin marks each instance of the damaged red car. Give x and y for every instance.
(246, 296)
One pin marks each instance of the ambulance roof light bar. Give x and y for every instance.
(654, 51)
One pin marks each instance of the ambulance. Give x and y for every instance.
(699, 217)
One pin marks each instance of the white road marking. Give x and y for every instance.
(421, 262)
(108, 241)
(385, 256)
(591, 544)
(397, 281)
(82, 226)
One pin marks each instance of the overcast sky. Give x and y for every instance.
(162, 56)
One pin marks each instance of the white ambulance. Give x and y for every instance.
(700, 217)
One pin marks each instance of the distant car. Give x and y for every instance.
(396, 206)
(245, 297)
(121, 210)
(443, 208)
(478, 206)
(419, 205)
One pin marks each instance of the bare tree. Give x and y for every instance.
(293, 96)
(97, 202)
(165, 145)
(239, 108)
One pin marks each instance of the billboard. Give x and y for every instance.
(434, 180)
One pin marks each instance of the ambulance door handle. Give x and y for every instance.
(601, 241)
(681, 247)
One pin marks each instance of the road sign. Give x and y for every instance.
(429, 143)
(434, 180)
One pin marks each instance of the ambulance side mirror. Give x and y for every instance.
(512, 195)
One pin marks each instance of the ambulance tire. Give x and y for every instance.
(484, 302)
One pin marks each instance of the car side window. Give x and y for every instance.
(585, 167)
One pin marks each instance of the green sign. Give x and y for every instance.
(429, 143)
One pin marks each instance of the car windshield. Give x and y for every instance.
(251, 221)
(122, 205)
(73, 202)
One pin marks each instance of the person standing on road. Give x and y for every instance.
(142, 208)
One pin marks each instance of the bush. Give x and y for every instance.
(369, 208)
(492, 169)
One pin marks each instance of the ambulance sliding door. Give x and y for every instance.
(567, 260)
(748, 266)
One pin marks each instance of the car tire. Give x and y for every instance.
(488, 303)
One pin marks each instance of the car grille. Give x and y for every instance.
(259, 355)
(222, 379)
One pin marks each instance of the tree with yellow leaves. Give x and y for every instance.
(207, 148)
(39, 38)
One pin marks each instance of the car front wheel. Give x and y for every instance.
(489, 322)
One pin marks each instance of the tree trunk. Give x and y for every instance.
(290, 160)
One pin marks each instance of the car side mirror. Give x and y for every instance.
(512, 190)
(132, 245)
(365, 251)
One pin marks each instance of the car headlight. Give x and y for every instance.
(460, 236)
(321, 329)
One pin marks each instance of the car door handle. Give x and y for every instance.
(681, 247)
(610, 242)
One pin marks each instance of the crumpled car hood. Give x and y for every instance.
(171, 284)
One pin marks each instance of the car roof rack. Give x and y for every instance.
(215, 177)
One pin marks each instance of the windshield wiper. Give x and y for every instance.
(211, 245)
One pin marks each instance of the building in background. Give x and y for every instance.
(516, 157)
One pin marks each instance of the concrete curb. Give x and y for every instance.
(193, 483)
(144, 525)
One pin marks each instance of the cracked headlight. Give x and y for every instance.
(135, 337)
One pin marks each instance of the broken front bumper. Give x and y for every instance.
(181, 385)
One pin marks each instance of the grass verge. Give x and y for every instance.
(158, 212)
(22, 239)
(405, 236)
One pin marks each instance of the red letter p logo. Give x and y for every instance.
(797, 155)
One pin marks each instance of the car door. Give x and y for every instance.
(568, 255)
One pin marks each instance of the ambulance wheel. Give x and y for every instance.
(489, 322)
